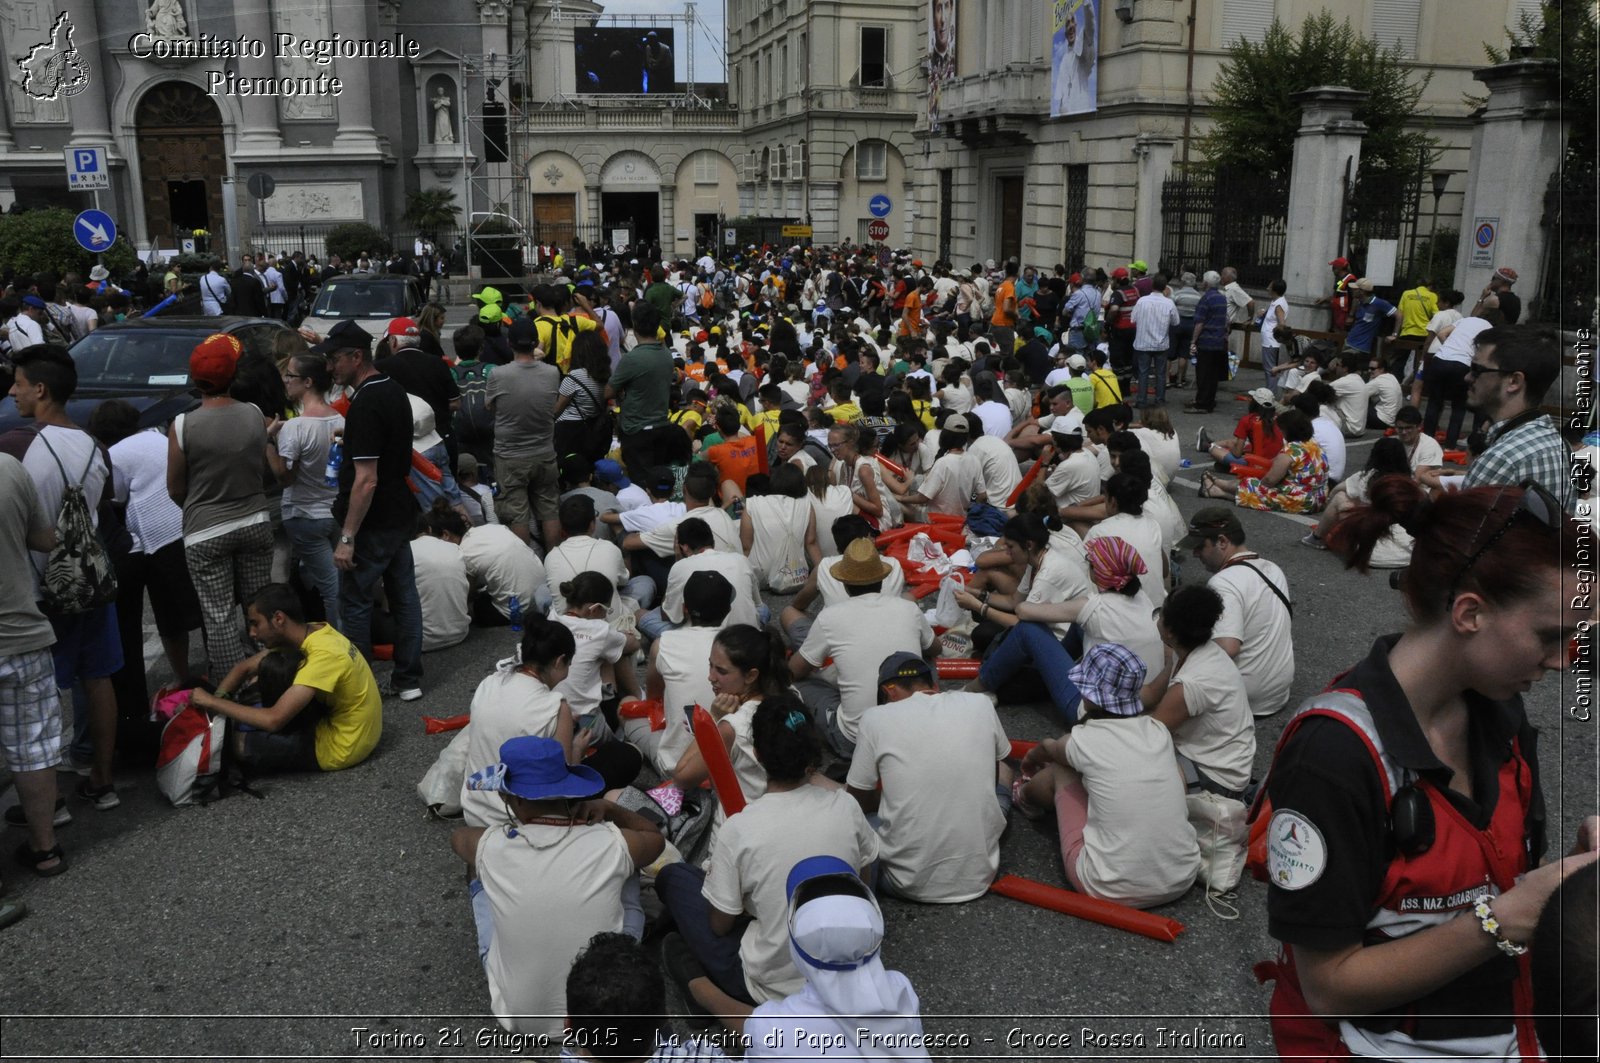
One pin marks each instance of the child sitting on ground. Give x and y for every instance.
(1116, 790)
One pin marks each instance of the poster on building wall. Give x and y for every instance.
(1074, 56)
(941, 54)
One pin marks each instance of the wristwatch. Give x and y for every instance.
(346, 540)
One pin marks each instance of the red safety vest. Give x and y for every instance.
(1418, 892)
(1130, 296)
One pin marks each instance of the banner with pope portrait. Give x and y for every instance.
(1074, 56)
(941, 53)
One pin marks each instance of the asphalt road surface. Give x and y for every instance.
(330, 918)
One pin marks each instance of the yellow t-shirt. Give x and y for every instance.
(1417, 308)
(767, 421)
(557, 333)
(336, 670)
(1106, 390)
(845, 412)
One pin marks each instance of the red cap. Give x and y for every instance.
(1340, 263)
(403, 326)
(1120, 273)
(917, 262)
(702, 336)
(212, 363)
(1076, 278)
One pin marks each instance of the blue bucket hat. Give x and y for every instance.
(536, 769)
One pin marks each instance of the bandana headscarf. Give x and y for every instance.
(1113, 562)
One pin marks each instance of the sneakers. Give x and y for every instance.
(18, 818)
(104, 799)
(403, 693)
(1310, 539)
(1202, 441)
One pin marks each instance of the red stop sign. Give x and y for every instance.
(878, 230)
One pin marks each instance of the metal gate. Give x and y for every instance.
(1567, 284)
(1386, 205)
(1225, 217)
(1075, 240)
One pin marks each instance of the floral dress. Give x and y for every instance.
(1303, 490)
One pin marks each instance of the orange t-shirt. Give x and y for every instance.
(1006, 291)
(735, 459)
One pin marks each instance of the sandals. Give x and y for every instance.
(32, 859)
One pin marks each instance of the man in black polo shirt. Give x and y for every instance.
(375, 507)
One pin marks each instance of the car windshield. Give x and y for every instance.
(360, 298)
(133, 359)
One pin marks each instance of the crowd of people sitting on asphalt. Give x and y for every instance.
(748, 522)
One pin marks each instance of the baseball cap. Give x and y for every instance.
(402, 326)
(1265, 397)
(523, 335)
(467, 465)
(663, 481)
(1340, 263)
(424, 436)
(345, 336)
(1109, 676)
(1077, 361)
(1365, 284)
(213, 361)
(904, 665)
(491, 314)
(34, 301)
(1507, 274)
(1120, 272)
(1209, 523)
(1139, 265)
(707, 593)
(957, 423)
(608, 471)
(1076, 278)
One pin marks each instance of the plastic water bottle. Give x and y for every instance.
(330, 474)
(516, 614)
(1185, 464)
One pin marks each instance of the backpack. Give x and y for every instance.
(473, 421)
(708, 297)
(62, 323)
(78, 574)
(1091, 327)
(189, 764)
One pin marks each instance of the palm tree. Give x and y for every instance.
(432, 209)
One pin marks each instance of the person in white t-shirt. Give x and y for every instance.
(1203, 702)
(1074, 479)
(1128, 519)
(559, 867)
(442, 582)
(821, 583)
(1116, 790)
(580, 550)
(956, 479)
(602, 657)
(1119, 612)
(1388, 458)
(779, 532)
(1447, 315)
(939, 756)
(753, 855)
(501, 567)
(1350, 393)
(997, 465)
(1275, 317)
(1315, 401)
(677, 673)
(852, 1007)
(1383, 395)
(697, 552)
(1257, 618)
(857, 634)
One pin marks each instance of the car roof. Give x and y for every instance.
(368, 278)
(189, 322)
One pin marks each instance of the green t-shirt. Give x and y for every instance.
(644, 380)
(1082, 393)
(665, 298)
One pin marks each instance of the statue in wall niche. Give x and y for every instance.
(165, 18)
(444, 131)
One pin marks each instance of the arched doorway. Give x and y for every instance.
(181, 160)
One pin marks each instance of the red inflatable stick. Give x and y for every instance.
(383, 651)
(1030, 476)
(761, 449)
(947, 519)
(644, 710)
(715, 754)
(432, 725)
(893, 466)
(1095, 910)
(1020, 748)
(957, 667)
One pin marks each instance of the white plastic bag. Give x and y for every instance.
(1220, 827)
(929, 554)
(440, 788)
(947, 612)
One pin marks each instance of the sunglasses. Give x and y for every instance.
(1537, 503)
(1478, 369)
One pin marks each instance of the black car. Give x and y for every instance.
(145, 361)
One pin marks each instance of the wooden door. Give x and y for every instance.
(555, 218)
(179, 132)
(1010, 189)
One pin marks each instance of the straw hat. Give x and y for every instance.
(860, 565)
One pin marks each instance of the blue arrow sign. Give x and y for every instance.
(880, 205)
(94, 230)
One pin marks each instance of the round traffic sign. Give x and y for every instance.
(94, 230)
(880, 205)
(1485, 235)
(261, 185)
(878, 230)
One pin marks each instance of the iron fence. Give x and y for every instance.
(1075, 243)
(1225, 217)
(1387, 205)
(1567, 285)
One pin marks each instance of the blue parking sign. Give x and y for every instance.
(86, 169)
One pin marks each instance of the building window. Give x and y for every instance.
(1246, 20)
(872, 160)
(1395, 23)
(796, 155)
(705, 168)
(805, 64)
(874, 72)
(1074, 243)
(756, 83)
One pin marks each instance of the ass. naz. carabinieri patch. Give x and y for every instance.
(1296, 853)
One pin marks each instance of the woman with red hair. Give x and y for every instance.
(1407, 823)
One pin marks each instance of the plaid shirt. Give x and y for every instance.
(1533, 450)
